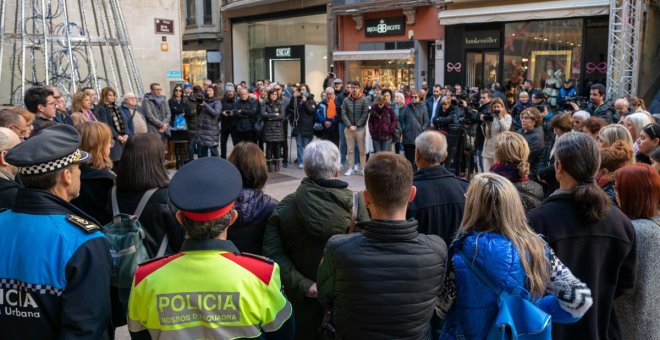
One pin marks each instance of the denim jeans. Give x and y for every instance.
(301, 143)
(382, 146)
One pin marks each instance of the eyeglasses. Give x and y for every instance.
(178, 90)
(22, 131)
(414, 97)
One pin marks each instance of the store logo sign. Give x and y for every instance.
(283, 52)
(385, 26)
(482, 39)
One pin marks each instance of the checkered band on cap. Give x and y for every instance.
(50, 166)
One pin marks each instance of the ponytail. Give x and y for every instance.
(593, 200)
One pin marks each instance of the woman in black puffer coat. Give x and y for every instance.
(208, 125)
(253, 206)
(273, 133)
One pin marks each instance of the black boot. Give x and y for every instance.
(270, 165)
(277, 165)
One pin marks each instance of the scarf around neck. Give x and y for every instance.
(509, 171)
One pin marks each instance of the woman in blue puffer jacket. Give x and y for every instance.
(493, 233)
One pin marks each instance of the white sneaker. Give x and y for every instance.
(300, 166)
(349, 172)
(356, 167)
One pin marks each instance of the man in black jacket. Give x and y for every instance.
(227, 121)
(58, 283)
(438, 205)
(383, 283)
(245, 113)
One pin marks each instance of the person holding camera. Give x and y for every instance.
(208, 128)
(447, 120)
(484, 110)
(300, 113)
(498, 121)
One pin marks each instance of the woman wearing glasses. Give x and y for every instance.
(180, 112)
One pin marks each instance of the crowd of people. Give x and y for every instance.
(558, 205)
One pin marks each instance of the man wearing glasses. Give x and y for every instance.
(41, 101)
(11, 119)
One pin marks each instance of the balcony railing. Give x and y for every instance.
(341, 3)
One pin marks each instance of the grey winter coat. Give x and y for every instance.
(638, 309)
(272, 115)
(208, 124)
(157, 112)
(414, 120)
(355, 111)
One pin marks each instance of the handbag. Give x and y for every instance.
(518, 317)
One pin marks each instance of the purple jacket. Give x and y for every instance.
(382, 123)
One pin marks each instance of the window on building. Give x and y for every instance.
(191, 18)
(208, 12)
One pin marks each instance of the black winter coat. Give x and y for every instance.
(228, 122)
(438, 205)
(536, 142)
(443, 119)
(382, 283)
(301, 116)
(254, 208)
(479, 138)
(178, 108)
(208, 125)
(193, 115)
(602, 255)
(272, 115)
(8, 191)
(119, 126)
(95, 187)
(245, 112)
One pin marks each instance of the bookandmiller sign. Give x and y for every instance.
(482, 39)
(385, 26)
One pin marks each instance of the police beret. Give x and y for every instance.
(205, 189)
(51, 149)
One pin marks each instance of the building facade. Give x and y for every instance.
(280, 40)
(202, 54)
(387, 42)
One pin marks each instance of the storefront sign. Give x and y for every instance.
(164, 26)
(482, 39)
(174, 74)
(385, 26)
(283, 52)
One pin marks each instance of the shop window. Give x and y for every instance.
(546, 52)
(191, 18)
(390, 74)
(208, 12)
(194, 66)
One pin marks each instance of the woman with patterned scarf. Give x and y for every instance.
(511, 162)
(108, 112)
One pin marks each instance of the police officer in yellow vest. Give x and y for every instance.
(209, 290)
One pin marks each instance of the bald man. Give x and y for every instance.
(8, 186)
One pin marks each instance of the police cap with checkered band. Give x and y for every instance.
(52, 149)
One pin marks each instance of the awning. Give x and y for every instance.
(529, 11)
(372, 55)
(241, 4)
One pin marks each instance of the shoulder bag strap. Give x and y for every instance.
(113, 199)
(356, 202)
(478, 273)
(143, 202)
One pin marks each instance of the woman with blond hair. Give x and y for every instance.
(496, 240)
(81, 108)
(499, 122)
(635, 123)
(511, 155)
(96, 178)
(612, 133)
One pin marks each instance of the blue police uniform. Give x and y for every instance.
(55, 268)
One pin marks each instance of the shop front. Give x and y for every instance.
(547, 52)
(394, 48)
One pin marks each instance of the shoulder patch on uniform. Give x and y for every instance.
(258, 265)
(148, 267)
(86, 225)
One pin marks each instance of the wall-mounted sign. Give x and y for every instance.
(482, 39)
(164, 26)
(385, 26)
(174, 74)
(283, 52)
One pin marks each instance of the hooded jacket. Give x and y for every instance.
(254, 208)
(295, 236)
